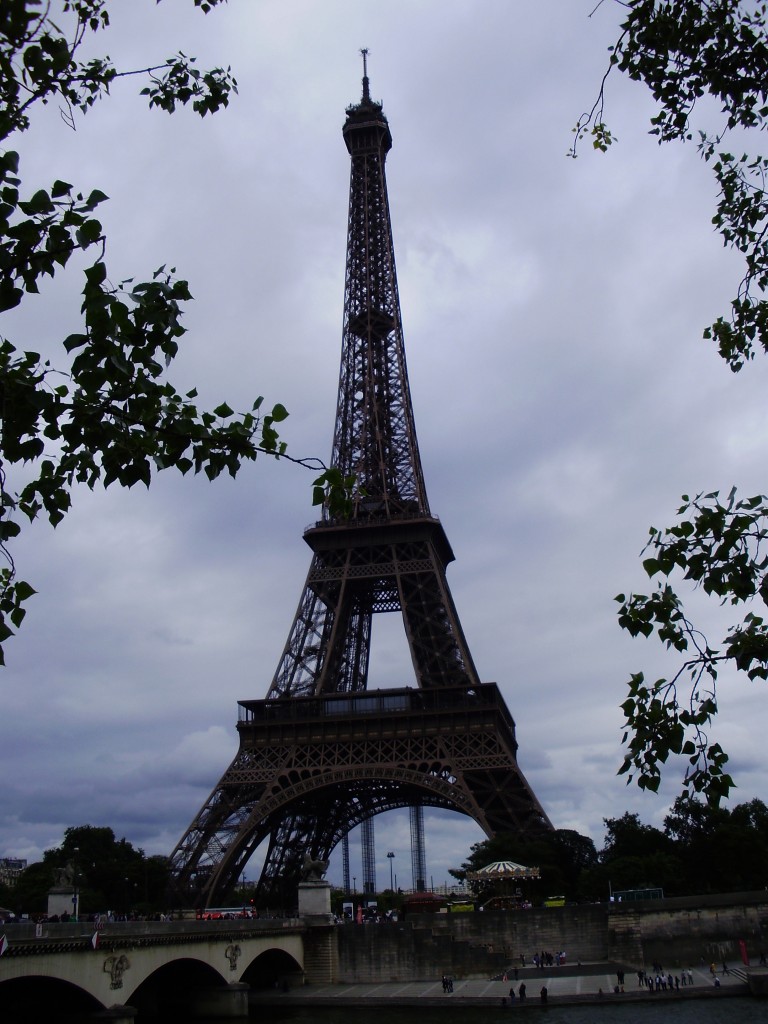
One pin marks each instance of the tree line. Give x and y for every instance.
(109, 875)
(701, 849)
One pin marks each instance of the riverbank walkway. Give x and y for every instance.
(577, 984)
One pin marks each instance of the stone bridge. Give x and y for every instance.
(200, 968)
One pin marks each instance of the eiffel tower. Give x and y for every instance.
(322, 753)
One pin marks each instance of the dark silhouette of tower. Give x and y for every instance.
(322, 753)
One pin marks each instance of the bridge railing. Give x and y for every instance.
(26, 931)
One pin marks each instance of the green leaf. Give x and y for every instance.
(23, 590)
(73, 341)
(39, 203)
(651, 566)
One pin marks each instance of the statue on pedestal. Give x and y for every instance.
(314, 890)
(313, 870)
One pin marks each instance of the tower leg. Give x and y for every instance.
(369, 856)
(345, 863)
(418, 853)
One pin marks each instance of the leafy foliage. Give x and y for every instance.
(720, 547)
(701, 849)
(108, 873)
(720, 850)
(111, 415)
(684, 51)
(706, 65)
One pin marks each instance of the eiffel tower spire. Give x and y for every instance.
(319, 756)
(390, 555)
(375, 437)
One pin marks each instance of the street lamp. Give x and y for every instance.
(75, 894)
(354, 883)
(390, 858)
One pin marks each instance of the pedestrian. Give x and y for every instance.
(512, 995)
(521, 992)
(543, 993)
(725, 967)
(690, 976)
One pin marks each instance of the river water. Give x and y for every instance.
(729, 1010)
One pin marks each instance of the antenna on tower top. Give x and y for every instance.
(366, 93)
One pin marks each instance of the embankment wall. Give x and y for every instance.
(472, 945)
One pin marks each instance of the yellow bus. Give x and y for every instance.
(554, 901)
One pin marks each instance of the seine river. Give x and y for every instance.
(745, 1010)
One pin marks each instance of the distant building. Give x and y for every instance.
(10, 869)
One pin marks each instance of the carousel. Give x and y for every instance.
(501, 881)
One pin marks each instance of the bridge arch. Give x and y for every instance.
(274, 968)
(39, 997)
(174, 986)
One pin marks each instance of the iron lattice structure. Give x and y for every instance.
(322, 753)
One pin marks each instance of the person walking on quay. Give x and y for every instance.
(543, 993)
(512, 994)
(522, 992)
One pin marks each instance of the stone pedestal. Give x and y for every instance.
(314, 898)
(229, 1001)
(757, 979)
(116, 1014)
(60, 901)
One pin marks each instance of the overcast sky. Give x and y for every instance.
(564, 400)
